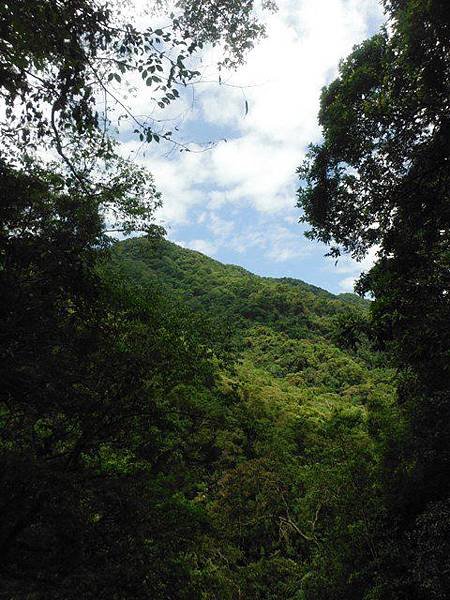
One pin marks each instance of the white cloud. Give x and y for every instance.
(220, 228)
(180, 181)
(275, 242)
(348, 284)
(256, 172)
(203, 246)
(284, 245)
(281, 81)
(352, 268)
(284, 74)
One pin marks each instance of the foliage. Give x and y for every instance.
(237, 297)
(171, 427)
(90, 374)
(297, 453)
(380, 179)
(60, 57)
(136, 461)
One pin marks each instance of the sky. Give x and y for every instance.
(236, 202)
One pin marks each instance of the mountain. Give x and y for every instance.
(265, 473)
(194, 432)
(231, 293)
(285, 328)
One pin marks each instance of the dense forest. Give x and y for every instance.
(175, 428)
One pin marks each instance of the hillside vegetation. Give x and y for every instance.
(287, 441)
(172, 428)
(236, 297)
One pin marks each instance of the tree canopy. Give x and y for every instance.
(380, 179)
(171, 427)
(60, 59)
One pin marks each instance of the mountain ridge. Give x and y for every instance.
(231, 295)
(179, 250)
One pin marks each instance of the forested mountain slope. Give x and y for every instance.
(185, 430)
(231, 293)
(288, 446)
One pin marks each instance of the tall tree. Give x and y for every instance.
(61, 68)
(380, 178)
(90, 424)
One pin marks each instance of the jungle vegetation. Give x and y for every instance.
(176, 428)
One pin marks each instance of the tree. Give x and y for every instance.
(95, 374)
(60, 59)
(93, 421)
(380, 178)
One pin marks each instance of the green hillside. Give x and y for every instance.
(197, 432)
(173, 428)
(232, 294)
(283, 455)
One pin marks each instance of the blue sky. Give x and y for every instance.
(236, 201)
